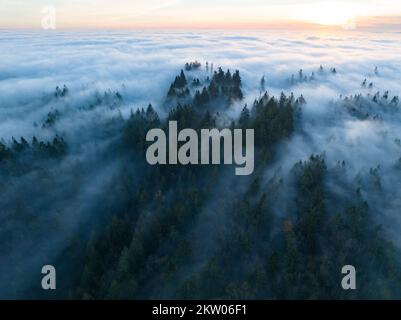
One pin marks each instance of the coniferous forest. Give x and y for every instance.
(196, 232)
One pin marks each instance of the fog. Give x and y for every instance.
(140, 66)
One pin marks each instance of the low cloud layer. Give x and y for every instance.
(140, 66)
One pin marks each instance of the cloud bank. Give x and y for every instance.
(140, 66)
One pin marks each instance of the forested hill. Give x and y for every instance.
(194, 231)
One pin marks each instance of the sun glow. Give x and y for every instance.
(291, 14)
(330, 14)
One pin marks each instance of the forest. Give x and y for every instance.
(195, 232)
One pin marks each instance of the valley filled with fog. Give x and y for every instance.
(76, 191)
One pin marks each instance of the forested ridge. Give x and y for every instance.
(196, 232)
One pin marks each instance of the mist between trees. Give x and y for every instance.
(79, 193)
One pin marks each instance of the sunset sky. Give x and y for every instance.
(205, 13)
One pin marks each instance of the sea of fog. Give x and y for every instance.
(141, 66)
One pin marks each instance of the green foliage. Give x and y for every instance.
(139, 123)
(273, 120)
(21, 156)
(193, 232)
(219, 92)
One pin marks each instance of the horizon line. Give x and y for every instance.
(294, 26)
